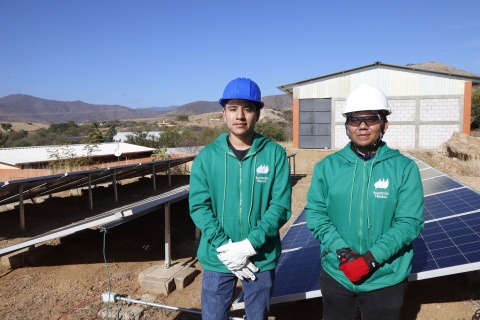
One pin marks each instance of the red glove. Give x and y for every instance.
(356, 267)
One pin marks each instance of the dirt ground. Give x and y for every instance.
(68, 281)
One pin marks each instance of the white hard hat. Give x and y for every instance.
(366, 97)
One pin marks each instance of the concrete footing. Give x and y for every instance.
(28, 256)
(161, 280)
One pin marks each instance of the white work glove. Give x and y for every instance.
(235, 254)
(246, 272)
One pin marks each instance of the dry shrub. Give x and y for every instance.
(471, 167)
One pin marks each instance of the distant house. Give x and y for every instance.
(121, 136)
(427, 106)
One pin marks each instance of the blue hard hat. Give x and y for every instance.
(242, 88)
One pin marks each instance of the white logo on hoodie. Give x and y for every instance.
(262, 169)
(381, 184)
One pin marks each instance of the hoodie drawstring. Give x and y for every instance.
(253, 189)
(224, 189)
(368, 188)
(351, 193)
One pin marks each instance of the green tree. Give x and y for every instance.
(209, 135)
(271, 131)
(475, 123)
(181, 117)
(3, 140)
(17, 135)
(62, 127)
(94, 136)
(142, 139)
(112, 131)
(170, 137)
(6, 126)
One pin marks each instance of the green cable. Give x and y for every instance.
(108, 272)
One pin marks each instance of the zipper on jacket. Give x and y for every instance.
(240, 202)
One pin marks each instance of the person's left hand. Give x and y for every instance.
(248, 271)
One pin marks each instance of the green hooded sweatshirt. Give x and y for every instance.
(232, 199)
(374, 205)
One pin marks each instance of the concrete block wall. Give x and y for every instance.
(432, 136)
(415, 122)
(400, 136)
(402, 110)
(341, 138)
(339, 106)
(437, 109)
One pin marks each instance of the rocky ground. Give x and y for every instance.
(68, 282)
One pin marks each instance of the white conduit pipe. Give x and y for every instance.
(151, 304)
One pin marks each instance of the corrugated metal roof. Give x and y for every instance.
(25, 155)
(392, 82)
(288, 88)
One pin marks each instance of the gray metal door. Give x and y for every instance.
(315, 123)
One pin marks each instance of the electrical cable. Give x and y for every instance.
(476, 315)
(108, 272)
(76, 306)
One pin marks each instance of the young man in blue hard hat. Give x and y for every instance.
(365, 205)
(240, 196)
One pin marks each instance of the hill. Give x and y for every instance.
(25, 108)
(441, 67)
(278, 102)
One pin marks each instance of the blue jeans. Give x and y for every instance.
(218, 289)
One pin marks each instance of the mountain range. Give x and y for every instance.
(25, 108)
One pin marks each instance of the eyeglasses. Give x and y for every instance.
(357, 121)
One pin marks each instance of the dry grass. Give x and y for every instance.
(28, 126)
(471, 167)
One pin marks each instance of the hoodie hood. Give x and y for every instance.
(383, 153)
(258, 143)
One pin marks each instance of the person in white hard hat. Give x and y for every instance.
(365, 206)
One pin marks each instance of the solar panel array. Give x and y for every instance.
(39, 186)
(449, 243)
(34, 187)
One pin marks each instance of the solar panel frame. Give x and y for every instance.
(39, 186)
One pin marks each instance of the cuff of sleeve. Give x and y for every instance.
(249, 248)
(370, 260)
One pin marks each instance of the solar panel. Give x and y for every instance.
(38, 186)
(108, 219)
(449, 243)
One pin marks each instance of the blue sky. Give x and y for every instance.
(161, 53)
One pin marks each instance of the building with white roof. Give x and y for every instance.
(427, 106)
(40, 156)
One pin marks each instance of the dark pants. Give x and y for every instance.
(341, 303)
